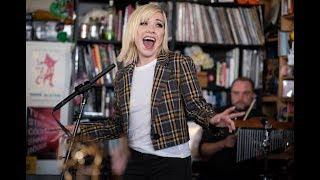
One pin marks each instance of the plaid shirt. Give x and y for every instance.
(176, 97)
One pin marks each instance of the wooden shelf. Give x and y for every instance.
(289, 16)
(287, 78)
(272, 40)
(287, 99)
(256, 123)
(287, 23)
(271, 98)
(288, 114)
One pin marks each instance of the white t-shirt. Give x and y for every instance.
(140, 115)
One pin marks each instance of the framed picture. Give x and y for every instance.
(288, 88)
(41, 129)
(48, 72)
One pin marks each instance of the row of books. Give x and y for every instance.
(219, 25)
(285, 43)
(93, 58)
(99, 104)
(286, 112)
(227, 1)
(252, 67)
(227, 70)
(287, 7)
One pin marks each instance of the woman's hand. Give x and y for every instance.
(119, 153)
(224, 119)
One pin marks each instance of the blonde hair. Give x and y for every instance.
(129, 51)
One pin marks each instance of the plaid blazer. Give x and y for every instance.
(176, 97)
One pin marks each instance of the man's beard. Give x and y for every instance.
(241, 107)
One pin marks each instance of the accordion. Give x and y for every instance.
(255, 139)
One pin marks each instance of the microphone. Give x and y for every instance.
(87, 85)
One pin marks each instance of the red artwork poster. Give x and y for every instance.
(41, 129)
(48, 73)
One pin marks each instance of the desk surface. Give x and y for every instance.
(256, 123)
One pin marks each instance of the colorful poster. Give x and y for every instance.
(41, 129)
(48, 71)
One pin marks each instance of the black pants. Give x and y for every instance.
(150, 167)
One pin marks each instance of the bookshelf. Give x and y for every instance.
(249, 46)
(216, 48)
(98, 41)
(230, 51)
(244, 40)
(282, 98)
(286, 62)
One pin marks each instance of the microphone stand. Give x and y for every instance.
(80, 89)
(85, 96)
(266, 145)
